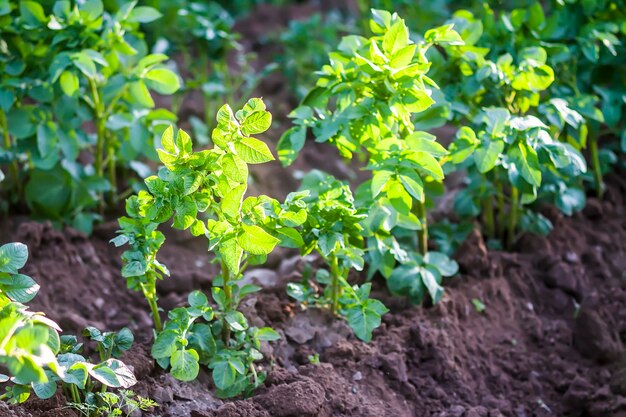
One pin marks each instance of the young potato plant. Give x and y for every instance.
(365, 103)
(76, 80)
(85, 384)
(513, 152)
(240, 232)
(333, 230)
(585, 100)
(29, 341)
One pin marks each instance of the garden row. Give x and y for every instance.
(78, 118)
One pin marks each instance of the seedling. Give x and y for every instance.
(363, 104)
(333, 230)
(479, 306)
(123, 403)
(239, 232)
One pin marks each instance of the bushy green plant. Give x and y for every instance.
(364, 104)
(109, 404)
(29, 341)
(240, 232)
(333, 230)
(76, 80)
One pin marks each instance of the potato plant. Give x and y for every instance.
(364, 104)
(240, 232)
(76, 80)
(333, 230)
(29, 341)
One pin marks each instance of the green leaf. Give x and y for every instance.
(162, 80)
(424, 142)
(290, 143)
(85, 64)
(379, 180)
(13, 256)
(231, 254)
(447, 267)
(396, 38)
(235, 168)
(69, 83)
(431, 279)
(253, 151)
(363, 319)
(412, 183)
(223, 375)
(113, 373)
(486, 157)
(165, 344)
(144, 14)
(141, 94)
(20, 288)
(236, 321)
(197, 299)
(268, 334)
(185, 365)
(257, 122)
(32, 12)
(256, 241)
(45, 390)
(525, 159)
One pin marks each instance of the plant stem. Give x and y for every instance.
(13, 168)
(149, 292)
(228, 296)
(422, 234)
(595, 162)
(513, 216)
(501, 214)
(334, 289)
(489, 218)
(112, 174)
(98, 112)
(75, 394)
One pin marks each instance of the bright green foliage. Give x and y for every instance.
(28, 341)
(76, 79)
(333, 230)
(84, 383)
(110, 344)
(240, 231)
(124, 403)
(365, 103)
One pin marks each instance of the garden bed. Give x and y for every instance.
(547, 343)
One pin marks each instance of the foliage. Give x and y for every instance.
(306, 44)
(76, 79)
(333, 230)
(240, 232)
(364, 104)
(29, 341)
(109, 404)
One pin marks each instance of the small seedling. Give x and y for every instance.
(478, 305)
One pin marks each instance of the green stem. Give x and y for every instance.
(112, 173)
(149, 292)
(513, 216)
(13, 168)
(228, 295)
(75, 394)
(501, 213)
(4, 396)
(595, 161)
(489, 218)
(422, 234)
(335, 290)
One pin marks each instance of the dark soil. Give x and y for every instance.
(549, 342)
